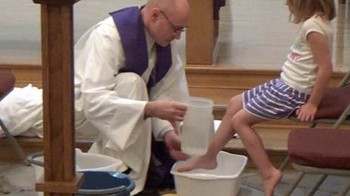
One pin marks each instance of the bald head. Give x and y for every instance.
(173, 7)
(165, 3)
(165, 20)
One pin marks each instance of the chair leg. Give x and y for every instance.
(318, 184)
(284, 163)
(295, 184)
(14, 143)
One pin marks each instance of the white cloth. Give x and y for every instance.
(299, 71)
(100, 98)
(21, 112)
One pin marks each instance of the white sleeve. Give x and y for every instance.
(312, 25)
(174, 86)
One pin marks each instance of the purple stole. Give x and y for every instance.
(131, 30)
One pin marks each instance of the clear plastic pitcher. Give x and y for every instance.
(198, 126)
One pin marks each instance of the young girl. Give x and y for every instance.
(299, 90)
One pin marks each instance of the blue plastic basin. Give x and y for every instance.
(105, 183)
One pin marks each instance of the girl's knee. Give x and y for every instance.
(235, 104)
(236, 122)
(242, 120)
(234, 100)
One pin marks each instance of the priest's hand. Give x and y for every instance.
(172, 142)
(166, 109)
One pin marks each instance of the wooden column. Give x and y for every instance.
(200, 36)
(202, 33)
(58, 98)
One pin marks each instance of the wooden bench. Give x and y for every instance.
(32, 145)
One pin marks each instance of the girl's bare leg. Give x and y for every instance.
(242, 122)
(222, 136)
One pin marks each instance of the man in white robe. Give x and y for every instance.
(127, 107)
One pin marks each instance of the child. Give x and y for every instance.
(301, 85)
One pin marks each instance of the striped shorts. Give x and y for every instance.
(273, 100)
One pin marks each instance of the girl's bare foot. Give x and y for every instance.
(271, 181)
(198, 162)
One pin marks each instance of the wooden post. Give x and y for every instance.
(58, 98)
(200, 36)
(202, 33)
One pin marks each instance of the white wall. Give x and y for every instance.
(20, 33)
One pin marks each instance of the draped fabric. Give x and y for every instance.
(131, 30)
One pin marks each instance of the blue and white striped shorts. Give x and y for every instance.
(273, 100)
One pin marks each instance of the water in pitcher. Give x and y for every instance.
(198, 126)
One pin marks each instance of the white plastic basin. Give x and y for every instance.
(223, 180)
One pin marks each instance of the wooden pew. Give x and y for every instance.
(32, 145)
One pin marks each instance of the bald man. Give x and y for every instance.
(130, 83)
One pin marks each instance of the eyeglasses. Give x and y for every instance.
(177, 29)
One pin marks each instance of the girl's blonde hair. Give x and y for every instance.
(302, 10)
